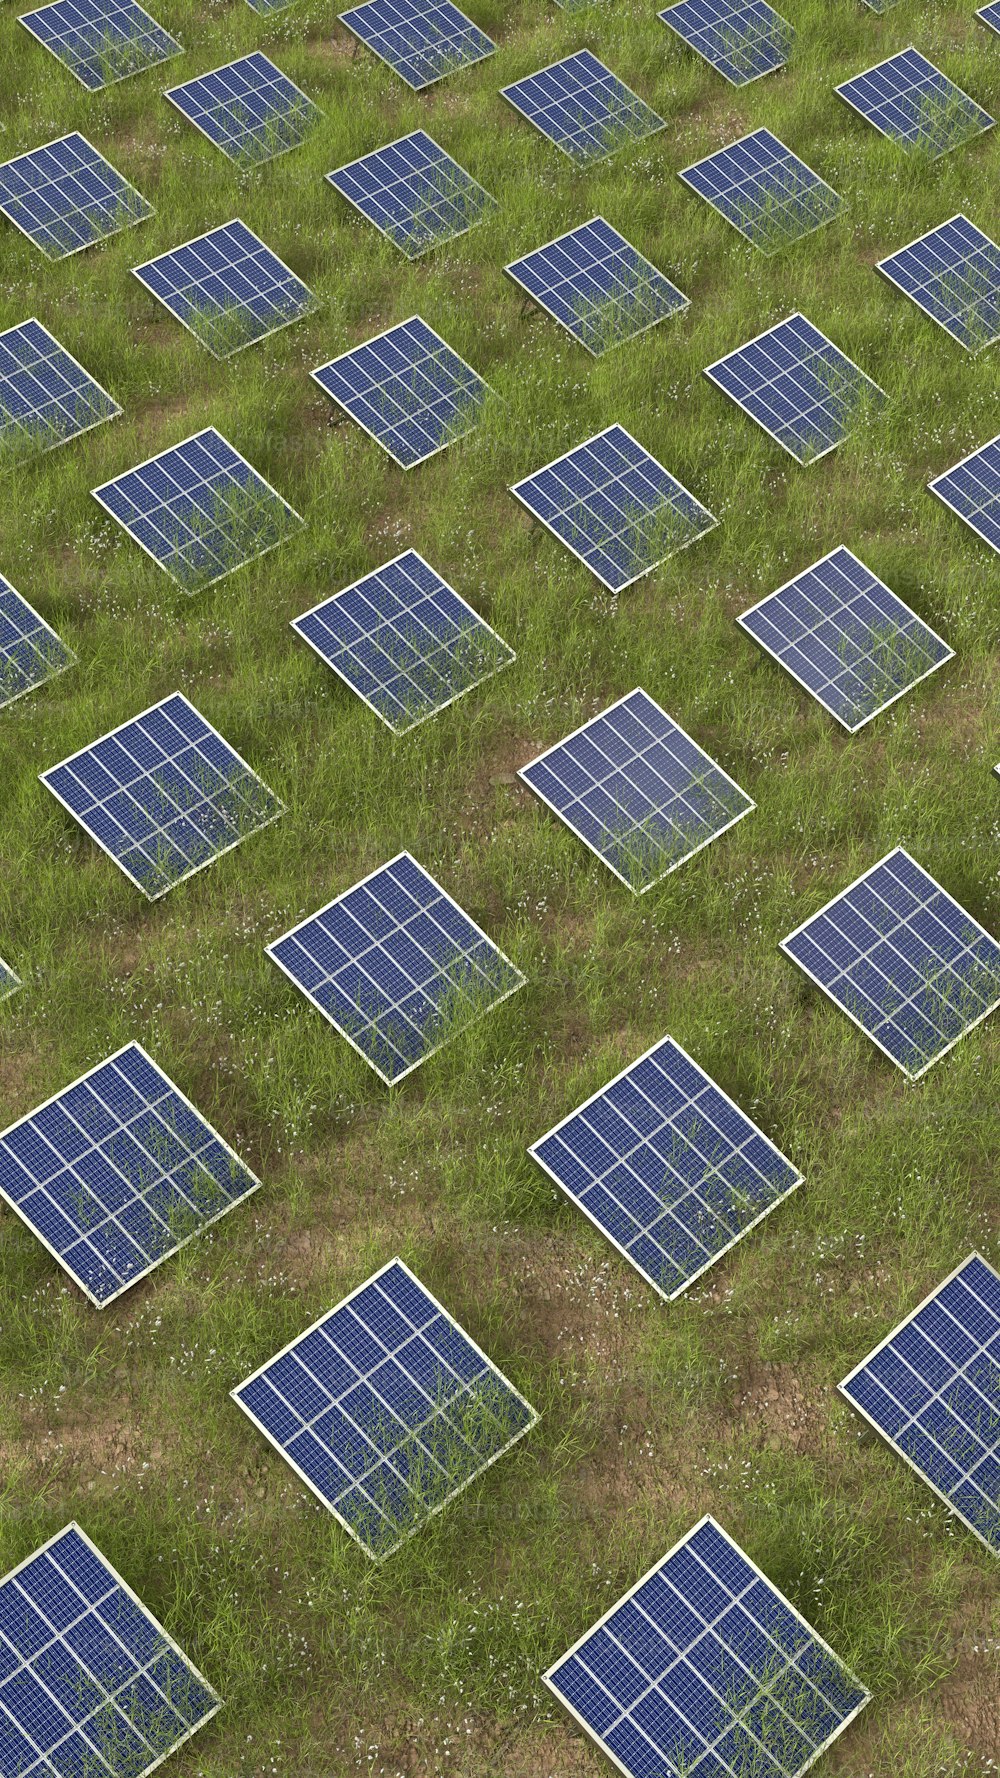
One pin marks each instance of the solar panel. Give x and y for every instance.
(932, 1389)
(9, 982)
(953, 274)
(404, 641)
(912, 102)
(669, 1169)
(880, 6)
(583, 108)
(840, 632)
(414, 193)
(117, 1172)
(227, 288)
(386, 1409)
(46, 397)
(163, 795)
(615, 507)
(903, 960)
(990, 15)
(637, 790)
(101, 41)
(705, 1668)
(396, 967)
(249, 109)
(421, 40)
(66, 196)
(764, 191)
(972, 490)
(30, 652)
(93, 1684)
(799, 387)
(740, 39)
(409, 391)
(597, 286)
(199, 509)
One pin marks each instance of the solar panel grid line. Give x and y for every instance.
(846, 638)
(422, 41)
(971, 490)
(64, 196)
(763, 190)
(77, 1592)
(101, 42)
(910, 101)
(30, 651)
(990, 15)
(800, 388)
(741, 39)
(583, 108)
(597, 286)
(416, 1321)
(414, 193)
(939, 1329)
(952, 274)
(247, 108)
(655, 1111)
(408, 389)
(228, 288)
(46, 396)
(9, 982)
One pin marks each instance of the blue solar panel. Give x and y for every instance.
(46, 397)
(740, 39)
(597, 286)
(637, 790)
(421, 40)
(386, 1409)
(903, 960)
(796, 384)
(667, 1167)
(396, 967)
(8, 980)
(764, 191)
(117, 1172)
(953, 274)
(163, 795)
(404, 641)
(101, 41)
(880, 6)
(66, 196)
(704, 1670)
(199, 510)
(615, 507)
(227, 288)
(414, 193)
(93, 1685)
(583, 108)
(990, 15)
(972, 490)
(249, 109)
(912, 102)
(408, 389)
(932, 1389)
(843, 635)
(30, 652)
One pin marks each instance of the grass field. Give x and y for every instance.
(651, 1414)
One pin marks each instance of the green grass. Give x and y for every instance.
(724, 1401)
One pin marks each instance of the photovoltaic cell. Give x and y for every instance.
(932, 1389)
(414, 193)
(396, 967)
(66, 196)
(30, 652)
(163, 795)
(117, 1172)
(953, 274)
(667, 1167)
(840, 632)
(740, 39)
(912, 102)
(92, 1683)
(249, 109)
(764, 191)
(880, 6)
(705, 1668)
(903, 960)
(421, 40)
(199, 510)
(583, 108)
(615, 507)
(798, 386)
(404, 641)
(227, 288)
(637, 790)
(597, 286)
(386, 1409)
(407, 389)
(46, 397)
(101, 41)
(8, 980)
(972, 490)
(990, 15)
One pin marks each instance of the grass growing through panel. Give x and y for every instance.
(651, 1414)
